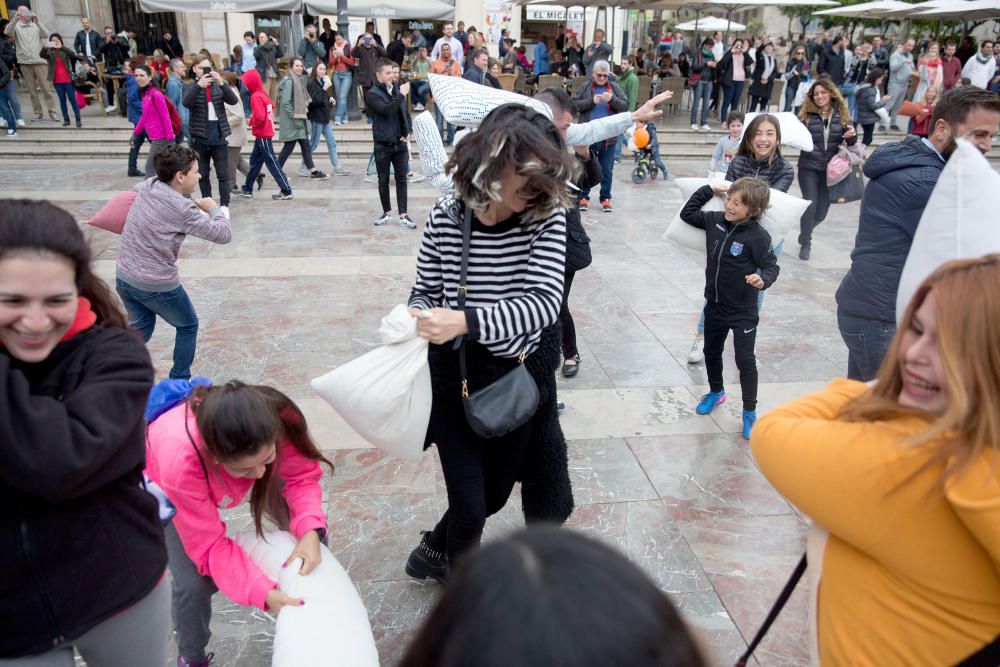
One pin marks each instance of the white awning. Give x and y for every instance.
(248, 6)
(709, 24)
(389, 9)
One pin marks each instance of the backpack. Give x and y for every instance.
(175, 118)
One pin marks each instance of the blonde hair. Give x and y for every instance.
(968, 332)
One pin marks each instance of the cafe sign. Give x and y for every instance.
(552, 14)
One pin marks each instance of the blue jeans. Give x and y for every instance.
(760, 296)
(342, 88)
(867, 343)
(421, 90)
(245, 96)
(67, 93)
(440, 122)
(790, 96)
(702, 92)
(175, 308)
(604, 151)
(618, 146)
(731, 95)
(326, 131)
(12, 101)
(5, 110)
(849, 91)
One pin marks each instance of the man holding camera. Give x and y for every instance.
(266, 54)
(30, 37)
(311, 50)
(206, 100)
(367, 54)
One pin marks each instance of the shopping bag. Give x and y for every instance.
(801, 93)
(385, 395)
(838, 167)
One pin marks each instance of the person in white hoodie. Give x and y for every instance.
(979, 69)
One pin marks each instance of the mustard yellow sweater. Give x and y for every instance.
(910, 577)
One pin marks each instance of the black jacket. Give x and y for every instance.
(267, 56)
(758, 89)
(493, 81)
(114, 53)
(901, 178)
(869, 99)
(820, 156)
(578, 255)
(396, 51)
(319, 103)
(583, 101)
(80, 43)
(81, 538)
(734, 252)
(475, 75)
(779, 172)
(171, 49)
(833, 65)
(796, 68)
(724, 71)
(391, 120)
(196, 101)
(8, 54)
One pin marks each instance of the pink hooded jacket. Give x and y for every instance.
(172, 462)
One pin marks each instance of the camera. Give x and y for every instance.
(206, 70)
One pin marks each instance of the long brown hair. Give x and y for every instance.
(237, 419)
(837, 102)
(967, 295)
(746, 145)
(39, 227)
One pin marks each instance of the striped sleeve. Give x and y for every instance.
(428, 292)
(539, 304)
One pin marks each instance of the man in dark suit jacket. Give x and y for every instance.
(476, 72)
(88, 42)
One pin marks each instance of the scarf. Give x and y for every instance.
(769, 64)
(299, 96)
(85, 318)
(982, 60)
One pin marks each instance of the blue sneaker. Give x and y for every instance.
(749, 419)
(709, 401)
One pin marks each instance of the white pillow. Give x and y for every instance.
(782, 215)
(466, 104)
(432, 154)
(959, 221)
(793, 132)
(332, 628)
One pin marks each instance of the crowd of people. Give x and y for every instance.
(891, 470)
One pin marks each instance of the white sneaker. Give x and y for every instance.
(404, 221)
(303, 171)
(113, 107)
(418, 107)
(225, 211)
(696, 354)
(11, 132)
(20, 122)
(695, 127)
(385, 219)
(706, 128)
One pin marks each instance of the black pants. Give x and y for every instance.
(289, 146)
(396, 155)
(479, 474)
(133, 153)
(719, 320)
(219, 154)
(758, 101)
(569, 349)
(814, 188)
(869, 134)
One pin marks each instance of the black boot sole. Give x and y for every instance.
(419, 567)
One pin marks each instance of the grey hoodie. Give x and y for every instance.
(901, 68)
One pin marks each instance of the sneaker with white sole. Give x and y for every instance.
(340, 171)
(404, 221)
(318, 175)
(11, 132)
(694, 126)
(696, 354)
(706, 127)
(113, 107)
(281, 196)
(418, 107)
(385, 219)
(20, 122)
(303, 171)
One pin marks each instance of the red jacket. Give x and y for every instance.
(261, 107)
(952, 71)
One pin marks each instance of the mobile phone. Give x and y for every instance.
(206, 70)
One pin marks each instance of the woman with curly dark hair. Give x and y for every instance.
(510, 214)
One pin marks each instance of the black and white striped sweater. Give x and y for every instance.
(515, 278)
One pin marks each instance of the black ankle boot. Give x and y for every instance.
(427, 562)
(804, 252)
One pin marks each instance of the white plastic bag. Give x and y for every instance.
(801, 93)
(332, 628)
(385, 395)
(783, 213)
(959, 221)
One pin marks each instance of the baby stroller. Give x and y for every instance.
(647, 159)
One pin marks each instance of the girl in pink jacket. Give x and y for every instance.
(207, 454)
(155, 120)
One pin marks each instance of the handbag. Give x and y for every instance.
(504, 405)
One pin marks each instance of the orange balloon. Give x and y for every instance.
(641, 138)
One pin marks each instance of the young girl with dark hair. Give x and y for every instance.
(870, 101)
(155, 119)
(84, 561)
(208, 453)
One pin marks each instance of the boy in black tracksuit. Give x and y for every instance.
(741, 262)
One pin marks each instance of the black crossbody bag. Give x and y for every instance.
(508, 403)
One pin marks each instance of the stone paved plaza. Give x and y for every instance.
(302, 287)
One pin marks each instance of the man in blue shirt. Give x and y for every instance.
(541, 65)
(598, 98)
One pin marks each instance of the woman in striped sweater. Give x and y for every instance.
(514, 290)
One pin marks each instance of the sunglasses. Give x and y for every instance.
(601, 76)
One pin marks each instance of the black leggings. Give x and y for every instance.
(479, 474)
(814, 188)
(758, 101)
(719, 320)
(869, 134)
(289, 146)
(569, 349)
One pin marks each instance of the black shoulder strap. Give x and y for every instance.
(187, 430)
(779, 604)
(462, 291)
(987, 656)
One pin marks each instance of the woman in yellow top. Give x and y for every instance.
(905, 477)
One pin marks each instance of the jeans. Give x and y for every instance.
(440, 122)
(790, 91)
(263, 154)
(702, 92)
(867, 343)
(569, 348)
(760, 295)
(12, 101)
(326, 130)
(421, 91)
(397, 156)
(67, 92)
(6, 112)
(219, 154)
(897, 92)
(731, 95)
(342, 89)
(604, 151)
(618, 147)
(719, 320)
(175, 308)
(289, 146)
(133, 153)
(814, 188)
(849, 91)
